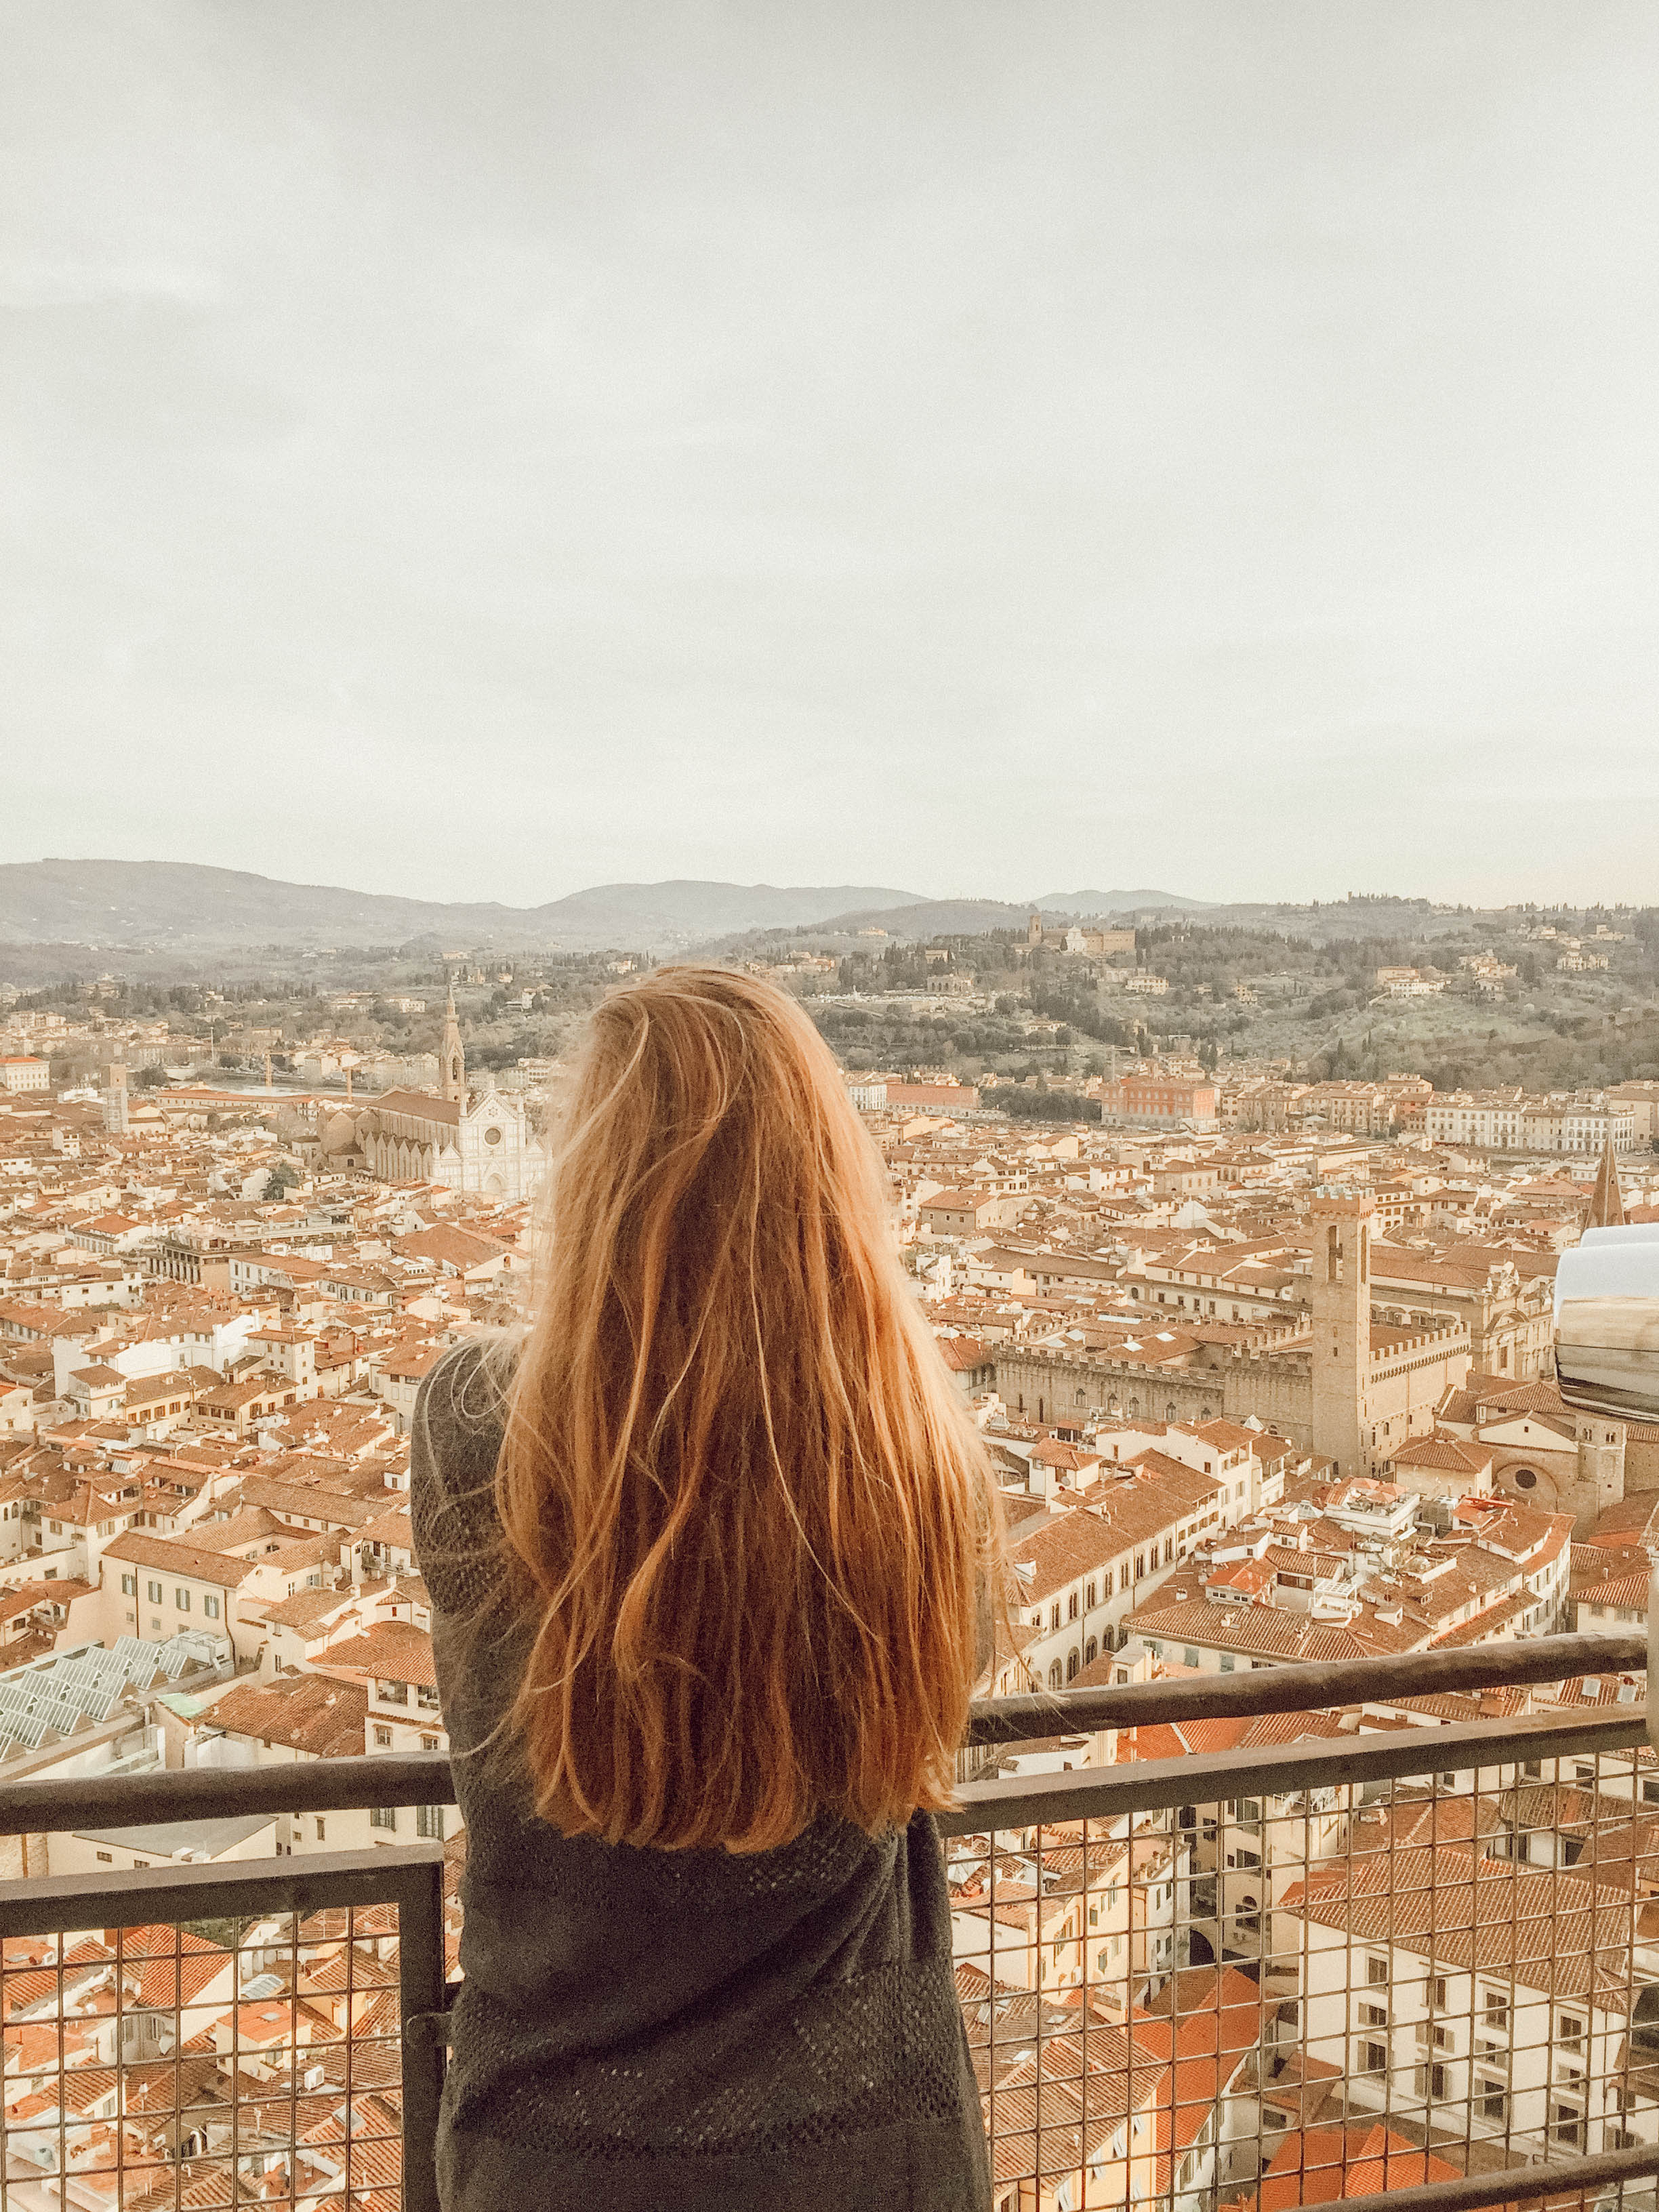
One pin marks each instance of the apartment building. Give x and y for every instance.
(1156, 1099)
(1512, 1121)
(155, 1586)
(1470, 1989)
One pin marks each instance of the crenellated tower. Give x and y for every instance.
(1341, 1313)
(115, 1100)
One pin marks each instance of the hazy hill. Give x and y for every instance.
(654, 914)
(1125, 902)
(920, 918)
(178, 906)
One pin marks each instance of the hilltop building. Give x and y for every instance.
(1075, 936)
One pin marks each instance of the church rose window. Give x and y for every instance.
(492, 1136)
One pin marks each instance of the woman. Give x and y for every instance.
(707, 1554)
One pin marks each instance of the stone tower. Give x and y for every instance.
(1601, 1481)
(1034, 930)
(115, 1101)
(452, 1058)
(1341, 1307)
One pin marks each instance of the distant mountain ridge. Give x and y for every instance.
(1106, 902)
(970, 917)
(177, 905)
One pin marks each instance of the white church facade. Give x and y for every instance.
(477, 1143)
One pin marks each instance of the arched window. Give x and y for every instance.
(1073, 1661)
(1055, 1675)
(1090, 1651)
(1170, 1411)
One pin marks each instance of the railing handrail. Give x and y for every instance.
(1282, 1770)
(1272, 1688)
(1569, 2180)
(70, 1804)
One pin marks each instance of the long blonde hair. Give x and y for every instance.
(749, 1506)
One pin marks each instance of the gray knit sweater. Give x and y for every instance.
(642, 2030)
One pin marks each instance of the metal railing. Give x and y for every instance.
(1359, 1966)
(1266, 1972)
(253, 2029)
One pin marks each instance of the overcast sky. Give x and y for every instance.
(485, 449)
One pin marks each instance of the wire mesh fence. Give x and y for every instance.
(1334, 1981)
(1401, 1952)
(221, 2041)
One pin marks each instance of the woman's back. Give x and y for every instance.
(685, 2028)
(707, 1550)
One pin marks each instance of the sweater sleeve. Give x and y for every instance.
(455, 1440)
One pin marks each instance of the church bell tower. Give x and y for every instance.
(452, 1057)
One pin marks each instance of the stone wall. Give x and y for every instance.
(1062, 1390)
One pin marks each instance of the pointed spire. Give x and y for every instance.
(1607, 1205)
(451, 1056)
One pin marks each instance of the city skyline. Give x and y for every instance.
(711, 517)
(1146, 445)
